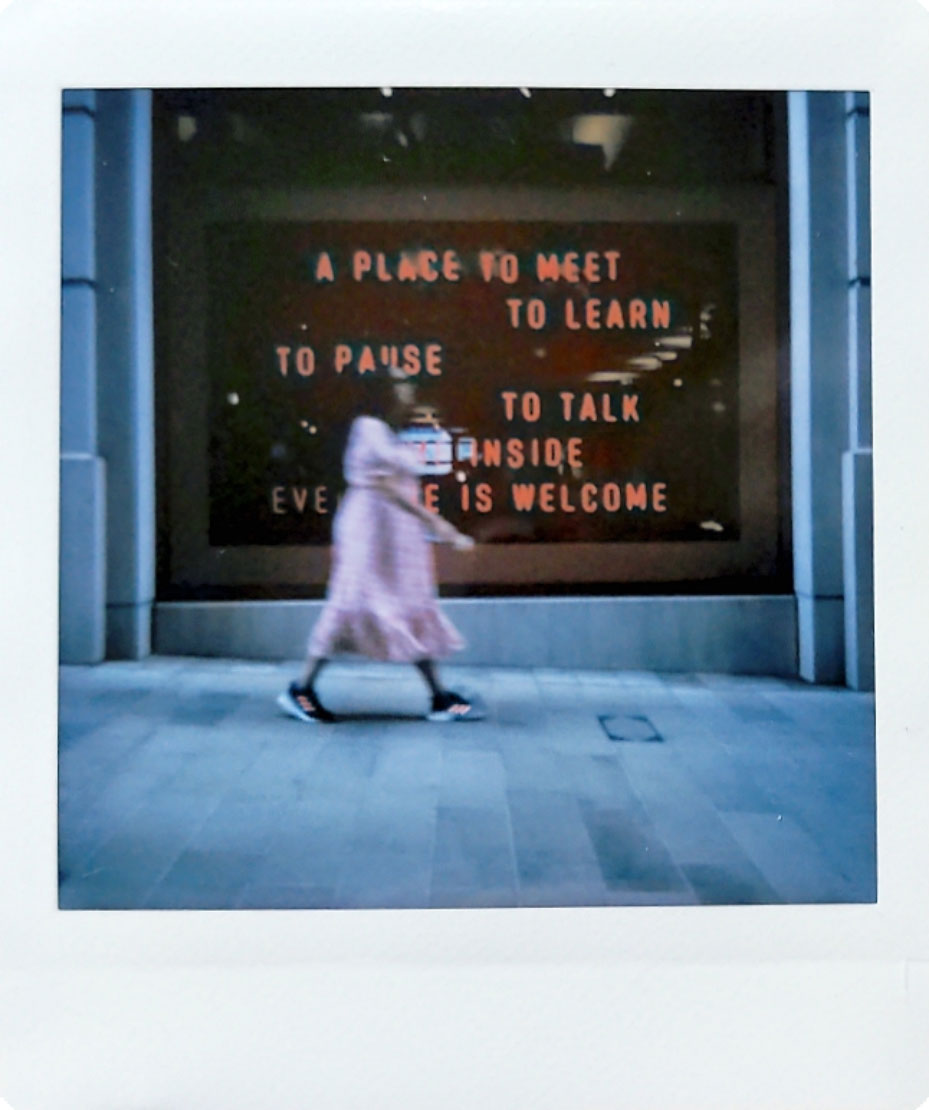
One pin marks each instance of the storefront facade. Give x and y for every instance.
(640, 323)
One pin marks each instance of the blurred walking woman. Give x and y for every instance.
(382, 601)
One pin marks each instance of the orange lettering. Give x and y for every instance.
(636, 495)
(361, 264)
(637, 311)
(614, 315)
(306, 361)
(431, 496)
(434, 359)
(564, 500)
(406, 267)
(661, 314)
(611, 497)
(412, 363)
(630, 407)
(483, 497)
(532, 407)
(546, 495)
(324, 271)
(569, 317)
(546, 267)
(523, 496)
(588, 410)
(491, 452)
(658, 497)
(282, 353)
(366, 363)
(589, 497)
(509, 268)
(486, 262)
(554, 452)
(515, 454)
(343, 356)
(451, 266)
(427, 261)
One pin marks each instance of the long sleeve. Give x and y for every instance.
(374, 452)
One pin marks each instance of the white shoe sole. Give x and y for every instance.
(440, 715)
(292, 711)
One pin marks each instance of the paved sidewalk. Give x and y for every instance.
(182, 786)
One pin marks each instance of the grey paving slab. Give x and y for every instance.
(474, 897)
(134, 854)
(111, 891)
(736, 682)
(628, 896)
(718, 885)
(626, 684)
(788, 858)
(674, 681)
(849, 843)
(181, 785)
(473, 851)
(558, 689)
(408, 763)
(694, 832)
(573, 731)
(529, 764)
(202, 881)
(114, 808)
(729, 789)
(385, 878)
(708, 707)
(472, 777)
(391, 846)
(205, 708)
(311, 847)
(293, 896)
(600, 780)
(631, 854)
(555, 857)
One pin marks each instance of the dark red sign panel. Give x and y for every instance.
(578, 381)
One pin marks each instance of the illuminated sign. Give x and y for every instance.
(577, 381)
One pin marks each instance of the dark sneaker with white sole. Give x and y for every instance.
(450, 706)
(303, 704)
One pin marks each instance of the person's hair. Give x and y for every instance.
(375, 395)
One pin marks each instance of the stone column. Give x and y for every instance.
(125, 364)
(819, 306)
(82, 579)
(857, 514)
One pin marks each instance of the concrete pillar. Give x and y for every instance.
(125, 361)
(82, 580)
(857, 514)
(819, 374)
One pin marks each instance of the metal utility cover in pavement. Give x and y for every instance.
(629, 728)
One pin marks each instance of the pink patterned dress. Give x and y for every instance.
(382, 600)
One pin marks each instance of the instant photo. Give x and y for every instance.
(637, 324)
